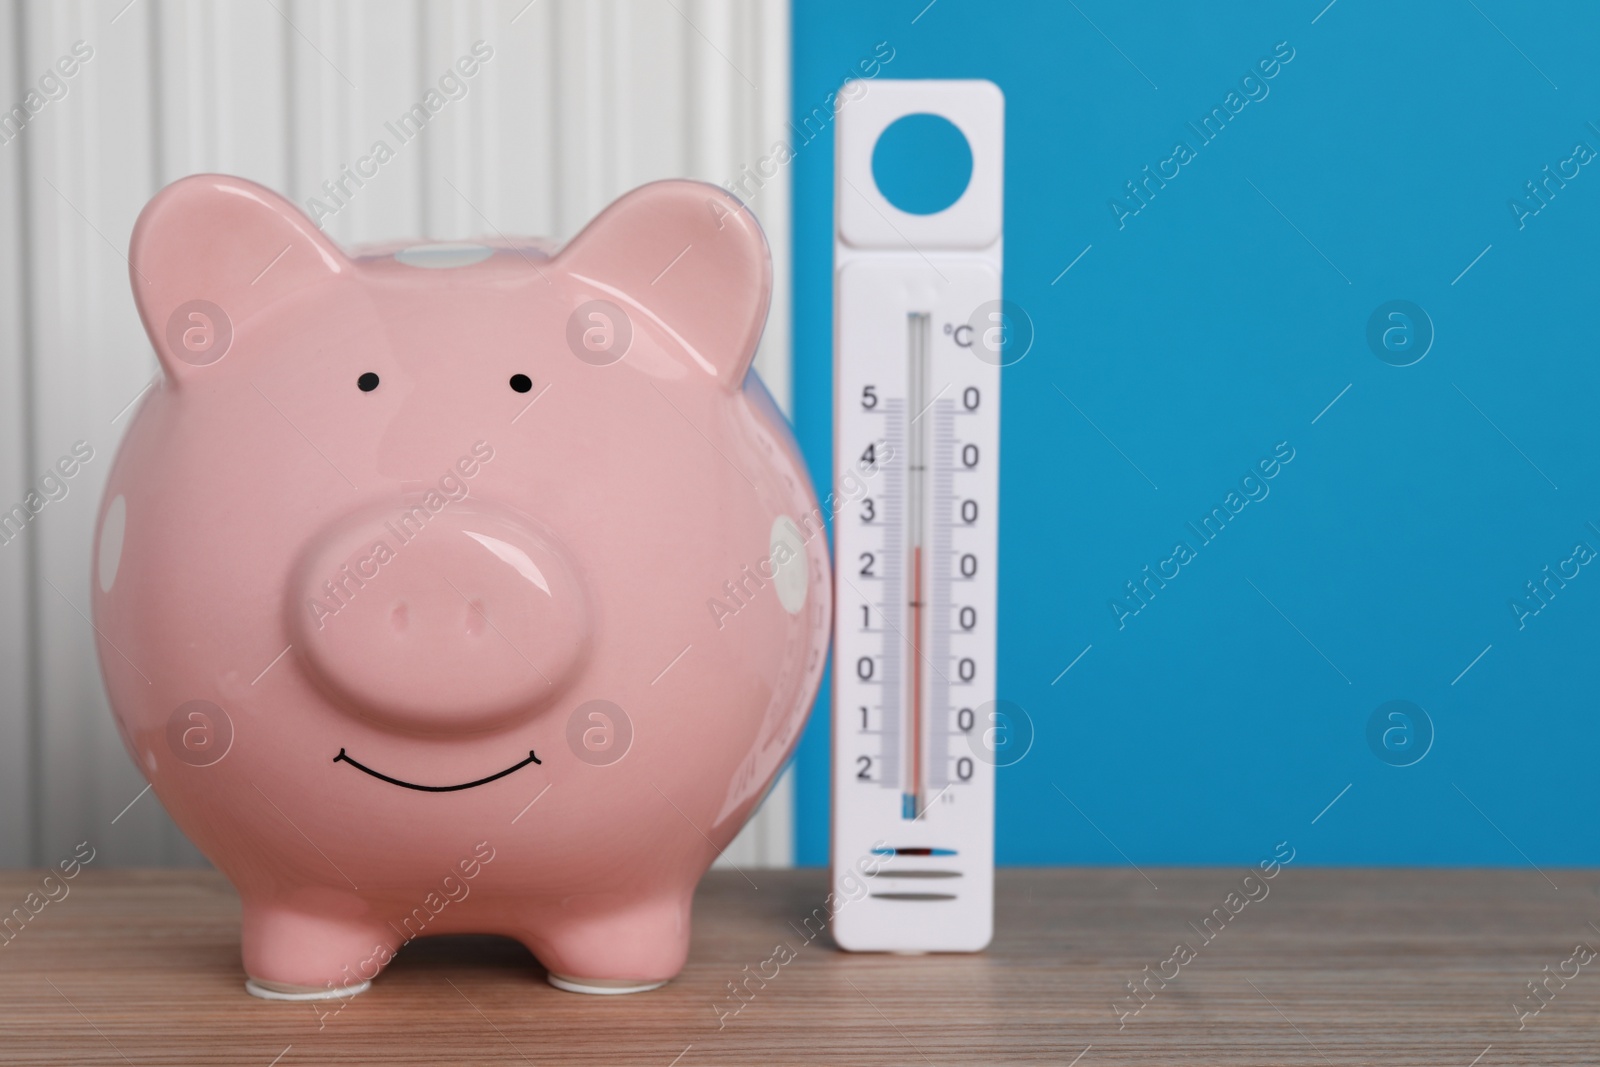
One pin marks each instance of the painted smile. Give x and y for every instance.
(342, 758)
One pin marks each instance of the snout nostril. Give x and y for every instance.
(400, 617)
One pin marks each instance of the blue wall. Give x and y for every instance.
(1218, 322)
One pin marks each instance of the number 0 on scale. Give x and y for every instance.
(917, 449)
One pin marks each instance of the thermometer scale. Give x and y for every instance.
(917, 424)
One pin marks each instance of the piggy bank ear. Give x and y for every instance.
(211, 251)
(692, 258)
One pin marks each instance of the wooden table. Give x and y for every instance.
(1334, 966)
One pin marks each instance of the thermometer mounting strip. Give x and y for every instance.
(916, 454)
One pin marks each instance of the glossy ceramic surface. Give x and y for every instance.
(459, 588)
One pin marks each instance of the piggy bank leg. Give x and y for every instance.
(630, 948)
(291, 954)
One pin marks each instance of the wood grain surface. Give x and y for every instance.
(1333, 966)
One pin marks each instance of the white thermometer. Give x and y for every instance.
(917, 421)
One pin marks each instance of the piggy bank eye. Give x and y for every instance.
(367, 382)
(521, 383)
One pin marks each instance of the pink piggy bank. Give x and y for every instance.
(458, 588)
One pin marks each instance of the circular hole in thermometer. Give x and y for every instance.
(922, 163)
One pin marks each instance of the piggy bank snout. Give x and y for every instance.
(460, 619)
